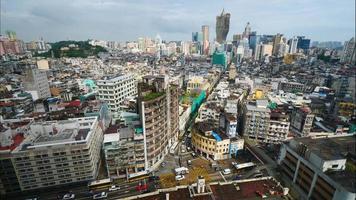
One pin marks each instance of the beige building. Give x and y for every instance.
(197, 83)
(213, 143)
(42, 64)
(158, 110)
(264, 125)
(58, 152)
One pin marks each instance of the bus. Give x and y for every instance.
(138, 176)
(100, 184)
(244, 165)
(173, 148)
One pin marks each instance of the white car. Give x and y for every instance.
(179, 177)
(101, 195)
(114, 188)
(234, 163)
(226, 171)
(68, 196)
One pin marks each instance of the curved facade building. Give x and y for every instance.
(158, 105)
(222, 26)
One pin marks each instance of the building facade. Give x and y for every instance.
(316, 168)
(262, 124)
(114, 90)
(301, 121)
(158, 110)
(222, 27)
(58, 152)
(36, 83)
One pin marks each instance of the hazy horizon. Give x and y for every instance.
(126, 20)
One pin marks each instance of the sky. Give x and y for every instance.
(126, 20)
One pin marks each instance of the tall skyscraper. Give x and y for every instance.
(276, 43)
(303, 43)
(222, 26)
(293, 44)
(349, 52)
(205, 31)
(247, 30)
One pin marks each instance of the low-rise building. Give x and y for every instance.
(213, 143)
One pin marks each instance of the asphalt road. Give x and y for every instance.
(82, 193)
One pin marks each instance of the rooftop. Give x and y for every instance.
(330, 148)
(244, 189)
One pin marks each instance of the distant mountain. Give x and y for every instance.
(72, 49)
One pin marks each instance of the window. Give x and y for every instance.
(335, 166)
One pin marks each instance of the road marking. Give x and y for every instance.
(255, 155)
(222, 176)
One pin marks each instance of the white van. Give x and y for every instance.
(226, 171)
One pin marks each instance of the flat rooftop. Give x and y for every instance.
(330, 148)
(230, 191)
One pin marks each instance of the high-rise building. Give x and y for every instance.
(349, 52)
(276, 43)
(205, 31)
(267, 50)
(254, 39)
(197, 37)
(158, 110)
(258, 51)
(262, 124)
(247, 31)
(36, 83)
(222, 26)
(57, 153)
(114, 90)
(303, 43)
(301, 121)
(293, 45)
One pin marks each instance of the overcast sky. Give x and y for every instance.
(123, 20)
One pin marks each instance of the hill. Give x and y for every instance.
(72, 49)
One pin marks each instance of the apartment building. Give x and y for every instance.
(12, 133)
(158, 110)
(115, 89)
(58, 152)
(319, 168)
(301, 121)
(35, 82)
(124, 152)
(263, 124)
(213, 143)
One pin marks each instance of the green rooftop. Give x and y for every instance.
(152, 95)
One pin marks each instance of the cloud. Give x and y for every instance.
(174, 19)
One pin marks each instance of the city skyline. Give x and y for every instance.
(55, 21)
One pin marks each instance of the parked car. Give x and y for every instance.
(226, 171)
(153, 178)
(101, 195)
(68, 196)
(114, 188)
(163, 164)
(234, 163)
(193, 154)
(180, 177)
(189, 162)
